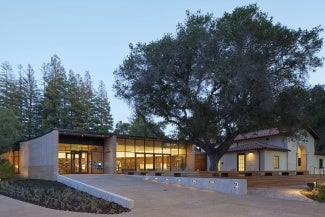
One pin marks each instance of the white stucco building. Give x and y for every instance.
(273, 150)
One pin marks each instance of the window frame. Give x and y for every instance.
(276, 162)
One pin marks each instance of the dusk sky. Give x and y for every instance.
(94, 35)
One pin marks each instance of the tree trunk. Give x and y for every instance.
(213, 162)
(214, 158)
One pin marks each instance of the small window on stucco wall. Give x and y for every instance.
(276, 162)
(321, 166)
(299, 161)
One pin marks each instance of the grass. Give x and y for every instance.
(54, 195)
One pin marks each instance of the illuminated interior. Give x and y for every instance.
(75, 158)
(149, 155)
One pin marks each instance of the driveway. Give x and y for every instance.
(155, 200)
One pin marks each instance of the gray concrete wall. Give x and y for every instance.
(123, 201)
(23, 159)
(38, 158)
(110, 155)
(230, 186)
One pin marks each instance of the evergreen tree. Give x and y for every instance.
(53, 110)
(75, 105)
(5, 84)
(32, 106)
(142, 126)
(102, 118)
(87, 100)
(9, 132)
(122, 128)
(64, 102)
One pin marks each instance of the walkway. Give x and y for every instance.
(155, 200)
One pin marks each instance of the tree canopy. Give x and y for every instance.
(217, 77)
(315, 112)
(66, 100)
(141, 126)
(10, 130)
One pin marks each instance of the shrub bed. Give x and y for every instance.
(7, 170)
(317, 194)
(54, 195)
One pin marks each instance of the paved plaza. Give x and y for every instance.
(155, 200)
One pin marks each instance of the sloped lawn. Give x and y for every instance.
(54, 195)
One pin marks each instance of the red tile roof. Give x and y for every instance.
(259, 134)
(255, 146)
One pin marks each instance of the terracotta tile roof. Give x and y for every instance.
(255, 146)
(259, 134)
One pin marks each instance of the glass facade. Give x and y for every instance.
(132, 154)
(147, 154)
(74, 158)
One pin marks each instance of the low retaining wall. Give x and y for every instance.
(123, 201)
(235, 174)
(230, 186)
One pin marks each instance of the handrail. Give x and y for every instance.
(321, 171)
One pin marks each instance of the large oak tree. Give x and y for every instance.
(216, 78)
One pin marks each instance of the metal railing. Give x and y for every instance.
(320, 171)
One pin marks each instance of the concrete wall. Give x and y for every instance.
(123, 201)
(23, 159)
(38, 158)
(230, 186)
(110, 155)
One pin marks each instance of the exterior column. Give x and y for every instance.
(190, 161)
(110, 155)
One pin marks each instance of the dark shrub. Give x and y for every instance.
(7, 170)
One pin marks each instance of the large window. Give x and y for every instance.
(148, 154)
(276, 162)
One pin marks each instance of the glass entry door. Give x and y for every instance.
(79, 162)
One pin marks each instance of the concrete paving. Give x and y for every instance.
(155, 200)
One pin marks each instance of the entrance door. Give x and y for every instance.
(79, 162)
(241, 162)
